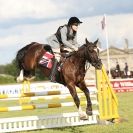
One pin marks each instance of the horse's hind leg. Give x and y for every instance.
(20, 77)
(73, 92)
(29, 74)
(24, 75)
(83, 87)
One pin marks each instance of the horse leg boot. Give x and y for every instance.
(89, 104)
(20, 78)
(54, 71)
(83, 87)
(82, 114)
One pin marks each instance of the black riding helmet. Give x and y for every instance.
(73, 20)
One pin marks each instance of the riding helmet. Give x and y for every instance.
(73, 20)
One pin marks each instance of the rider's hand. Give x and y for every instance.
(74, 48)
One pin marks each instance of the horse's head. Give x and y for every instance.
(92, 54)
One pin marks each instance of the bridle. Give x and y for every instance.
(88, 58)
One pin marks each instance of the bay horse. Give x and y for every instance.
(72, 71)
(117, 74)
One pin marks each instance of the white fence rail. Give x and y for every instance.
(48, 121)
(36, 86)
(42, 122)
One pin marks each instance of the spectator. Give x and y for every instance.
(126, 70)
(117, 67)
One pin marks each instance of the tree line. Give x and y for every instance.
(12, 70)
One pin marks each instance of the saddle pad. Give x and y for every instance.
(46, 60)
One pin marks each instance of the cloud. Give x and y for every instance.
(13, 9)
(25, 21)
(119, 27)
(48, 9)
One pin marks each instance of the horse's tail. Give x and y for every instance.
(20, 55)
(20, 59)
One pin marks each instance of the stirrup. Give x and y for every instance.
(52, 79)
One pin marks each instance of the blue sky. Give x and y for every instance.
(22, 22)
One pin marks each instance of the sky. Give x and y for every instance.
(26, 21)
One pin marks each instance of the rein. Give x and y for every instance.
(87, 64)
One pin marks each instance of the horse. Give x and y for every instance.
(131, 74)
(72, 71)
(117, 74)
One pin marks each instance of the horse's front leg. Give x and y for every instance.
(83, 87)
(75, 97)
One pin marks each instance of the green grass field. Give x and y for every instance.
(6, 79)
(125, 111)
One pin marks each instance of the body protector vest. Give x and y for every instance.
(69, 37)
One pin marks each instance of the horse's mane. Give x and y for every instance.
(82, 46)
(81, 51)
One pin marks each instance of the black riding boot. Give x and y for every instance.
(54, 71)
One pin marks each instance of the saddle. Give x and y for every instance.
(65, 53)
(64, 56)
(56, 74)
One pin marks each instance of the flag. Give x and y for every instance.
(46, 63)
(46, 60)
(103, 23)
(48, 55)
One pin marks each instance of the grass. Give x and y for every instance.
(6, 79)
(125, 111)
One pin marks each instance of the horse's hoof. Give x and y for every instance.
(33, 77)
(18, 79)
(84, 117)
(89, 113)
(29, 78)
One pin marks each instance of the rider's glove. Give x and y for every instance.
(74, 48)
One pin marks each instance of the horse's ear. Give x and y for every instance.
(95, 43)
(86, 41)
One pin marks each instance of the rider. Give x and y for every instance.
(117, 67)
(126, 69)
(65, 38)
